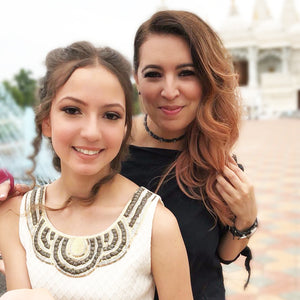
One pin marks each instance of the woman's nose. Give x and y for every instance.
(170, 89)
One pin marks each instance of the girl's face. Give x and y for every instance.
(87, 121)
(168, 84)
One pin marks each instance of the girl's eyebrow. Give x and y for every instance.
(160, 68)
(108, 105)
(73, 99)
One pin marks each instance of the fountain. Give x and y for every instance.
(17, 131)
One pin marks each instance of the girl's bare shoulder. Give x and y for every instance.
(164, 222)
(12, 205)
(9, 222)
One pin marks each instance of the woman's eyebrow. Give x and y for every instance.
(160, 68)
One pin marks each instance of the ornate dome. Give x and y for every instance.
(228, 29)
(269, 33)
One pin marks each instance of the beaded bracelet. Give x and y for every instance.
(245, 233)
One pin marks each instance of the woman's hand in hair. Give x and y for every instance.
(238, 192)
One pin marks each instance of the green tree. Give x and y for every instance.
(23, 88)
(136, 101)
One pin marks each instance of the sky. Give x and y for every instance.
(29, 29)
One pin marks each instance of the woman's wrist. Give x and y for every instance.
(242, 234)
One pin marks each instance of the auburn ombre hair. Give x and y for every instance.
(211, 136)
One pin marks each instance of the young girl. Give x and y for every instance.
(92, 233)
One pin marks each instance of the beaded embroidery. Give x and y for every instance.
(78, 256)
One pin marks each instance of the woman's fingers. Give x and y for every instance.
(4, 190)
(21, 189)
(224, 187)
(238, 192)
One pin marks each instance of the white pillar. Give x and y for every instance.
(285, 59)
(252, 51)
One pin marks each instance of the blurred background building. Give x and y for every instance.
(266, 54)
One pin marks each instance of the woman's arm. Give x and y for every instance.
(11, 248)
(170, 265)
(238, 192)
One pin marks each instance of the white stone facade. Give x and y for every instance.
(266, 54)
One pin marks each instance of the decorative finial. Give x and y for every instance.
(162, 5)
(233, 9)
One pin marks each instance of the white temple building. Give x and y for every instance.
(266, 54)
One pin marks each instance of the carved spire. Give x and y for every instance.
(162, 5)
(261, 11)
(233, 9)
(289, 15)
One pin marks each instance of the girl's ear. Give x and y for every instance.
(46, 127)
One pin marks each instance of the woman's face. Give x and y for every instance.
(167, 82)
(87, 121)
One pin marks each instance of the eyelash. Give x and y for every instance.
(71, 110)
(112, 116)
(182, 73)
(152, 74)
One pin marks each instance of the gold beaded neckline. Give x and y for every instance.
(78, 256)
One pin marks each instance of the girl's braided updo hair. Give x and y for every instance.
(60, 64)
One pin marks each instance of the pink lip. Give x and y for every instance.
(171, 110)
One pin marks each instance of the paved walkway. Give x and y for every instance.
(270, 152)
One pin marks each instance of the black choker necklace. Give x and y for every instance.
(160, 138)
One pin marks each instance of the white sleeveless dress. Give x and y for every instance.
(114, 264)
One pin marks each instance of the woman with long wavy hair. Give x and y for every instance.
(182, 146)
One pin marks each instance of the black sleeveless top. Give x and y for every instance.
(144, 166)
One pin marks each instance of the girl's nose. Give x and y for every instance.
(91, 130)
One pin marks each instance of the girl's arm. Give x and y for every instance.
(27, 294)
(11, 248)
(170, 265)
(2, 268)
